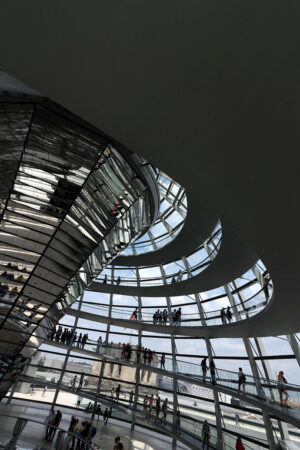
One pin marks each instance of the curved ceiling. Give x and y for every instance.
(213, 99)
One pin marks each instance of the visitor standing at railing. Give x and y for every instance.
(241, 379)
(223, 316)
(134, 315)
(49, 421)
(84, 339)
(72, 424)
(174, 317)
(74, 431)
(212, 368)
(165, 316)
(145, 406)
(151, 400)
(118, 390)
(205, 434)
(178, 317)
(229, 314)
(56, 423)
(281, 389)
(237, 419)
(112, 394)
(74, 381)
(157, 408)
(99, 343)
(150, 357)
(204, 368)
(164, 409)
(81, 381)
(162, 361)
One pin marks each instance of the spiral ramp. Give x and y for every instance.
(208, 218)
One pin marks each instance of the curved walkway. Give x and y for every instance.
(226, 382)
(185, 436)
(236, 329)
(234, 258)
(198, 225)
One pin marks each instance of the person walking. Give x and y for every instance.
(123, 351)
(79, 398)
(44, 391)
(98, 412)
(281, 389)
(162, 361)
(118, 389)
(160, 317)
(237, 419)
(241, 380)
(205, 434)
(212, 369)
(239, 444)
(204, 368)
(105, 416)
